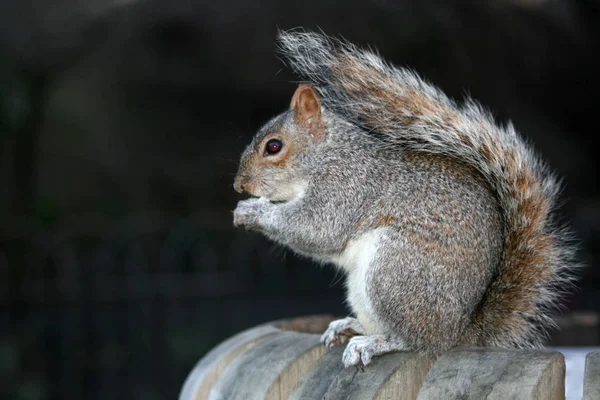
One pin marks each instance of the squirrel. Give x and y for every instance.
(442, 220)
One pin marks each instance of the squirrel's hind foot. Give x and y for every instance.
(340, 330)
(362, 349)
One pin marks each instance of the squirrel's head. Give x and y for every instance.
(271, 164)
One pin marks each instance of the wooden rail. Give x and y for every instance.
(284, 360)
(591, 380)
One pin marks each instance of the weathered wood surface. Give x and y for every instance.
(591, 380)
(275, 361)
(395, 376)
(205, 374)
(496, 374)
(200, 381)
(309, 324)
(270, 369)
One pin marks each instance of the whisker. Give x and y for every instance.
(335, 279)
(231, 160)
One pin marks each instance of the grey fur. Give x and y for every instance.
(448, 204)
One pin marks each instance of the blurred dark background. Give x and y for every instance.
(121, 123)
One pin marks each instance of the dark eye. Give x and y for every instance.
(273, 146)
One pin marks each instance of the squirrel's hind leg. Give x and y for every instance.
(340, 329)
(362, 349)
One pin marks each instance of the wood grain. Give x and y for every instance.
(591, 380)
(478, 373)
(393, 376)
(201, 379)
(270, 369)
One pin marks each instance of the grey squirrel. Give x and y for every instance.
(441, 219)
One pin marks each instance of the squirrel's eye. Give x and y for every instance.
(273, 146)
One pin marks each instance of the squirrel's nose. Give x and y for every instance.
(237, 185)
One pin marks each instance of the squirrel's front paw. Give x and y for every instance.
(248, 212)
(339, 330)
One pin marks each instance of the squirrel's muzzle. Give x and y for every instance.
(241, 184)
(237, 185)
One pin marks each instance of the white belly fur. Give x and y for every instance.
(355, 260)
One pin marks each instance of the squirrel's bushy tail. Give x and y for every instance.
(395, 104)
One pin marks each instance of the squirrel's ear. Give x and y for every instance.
(306, 105)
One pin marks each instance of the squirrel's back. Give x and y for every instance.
(536, 264)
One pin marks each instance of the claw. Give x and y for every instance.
(361, 350)
(339, 330)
